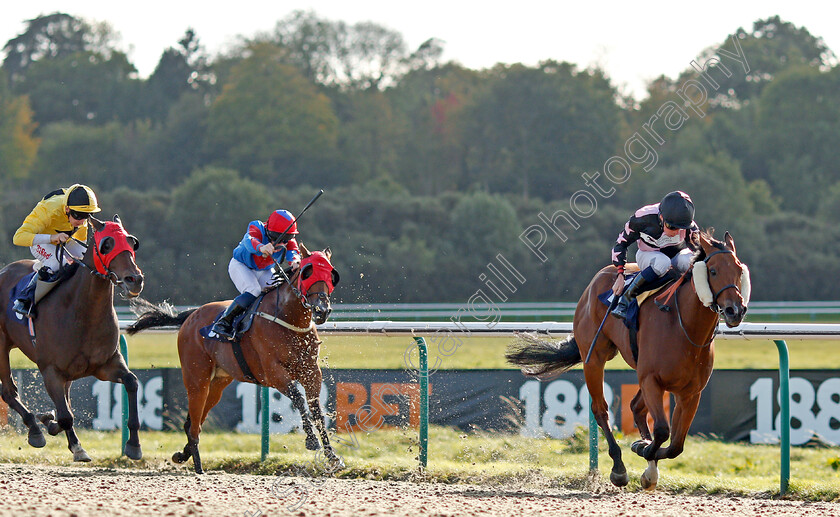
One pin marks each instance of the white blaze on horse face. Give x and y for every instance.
(700, 277)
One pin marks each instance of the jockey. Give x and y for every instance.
(251, 267)
(60, 215)
(666, 233)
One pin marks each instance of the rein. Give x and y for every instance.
(714, 307)
(685, 333)
(110, 276)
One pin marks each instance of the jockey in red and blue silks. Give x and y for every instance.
(252, 265)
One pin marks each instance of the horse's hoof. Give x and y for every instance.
(198, 469)
(619, 479)
(133, 451)
(36, 439)
(650, 477)
(46, 418)
(335, 464)
(180, 457)
(312, 443)
(81, 455)
(639, 447)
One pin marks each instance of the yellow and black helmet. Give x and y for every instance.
(80, 198)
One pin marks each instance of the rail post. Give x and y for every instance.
(424, 400)
(265, 417)
(424, 404)
(784, 406)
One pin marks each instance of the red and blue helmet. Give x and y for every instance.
(279, 221)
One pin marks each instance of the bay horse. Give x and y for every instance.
(281, 347)
(76, 333)
(675, 351)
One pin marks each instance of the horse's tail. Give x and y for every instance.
(152, 316)
(542, 358)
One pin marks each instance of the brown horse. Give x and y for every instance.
(281, 347)
(76, 333)
(675, 351)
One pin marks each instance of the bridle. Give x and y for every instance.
(714, 307)
(109, 274)
(300, 295)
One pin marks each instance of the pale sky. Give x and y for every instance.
(633, 41)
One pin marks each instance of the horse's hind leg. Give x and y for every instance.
(297, 402)
(12, 398)
(640, 413)
(594, 374)
(197, 380)
(58, 389)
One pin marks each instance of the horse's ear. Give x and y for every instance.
(303, 251)
(96, 223)
(117, 219)
(328, 253)
(730, 243)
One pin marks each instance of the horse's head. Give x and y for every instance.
(112, 254)
(316, 281)
(721, 280)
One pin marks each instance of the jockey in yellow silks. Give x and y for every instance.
(60, 218)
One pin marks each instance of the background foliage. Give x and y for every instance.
(430, 169)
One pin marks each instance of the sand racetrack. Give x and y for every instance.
(65, 491)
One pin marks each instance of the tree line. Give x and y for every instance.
(431, 169)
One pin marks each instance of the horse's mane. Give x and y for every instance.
(709, 235)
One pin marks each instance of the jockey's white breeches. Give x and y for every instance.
(46, 254)
(249, 280)
(660, 263)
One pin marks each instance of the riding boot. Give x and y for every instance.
(224, 326)
(628, 296)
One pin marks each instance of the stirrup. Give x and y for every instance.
(222, 331)
(24, 309)
(620, 310)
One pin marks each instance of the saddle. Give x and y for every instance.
(46, 283)
(648, 290)
(241, 324)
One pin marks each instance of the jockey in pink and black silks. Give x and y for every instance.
(251, 268)
(59, 219)
(665, 233)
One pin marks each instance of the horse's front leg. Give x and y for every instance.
(311, 382)
(116, 371)
(294, 394)
(58, 389)
(684, 411)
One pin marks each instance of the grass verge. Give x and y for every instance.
(707, 466)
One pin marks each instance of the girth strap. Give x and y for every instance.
(243, 364)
